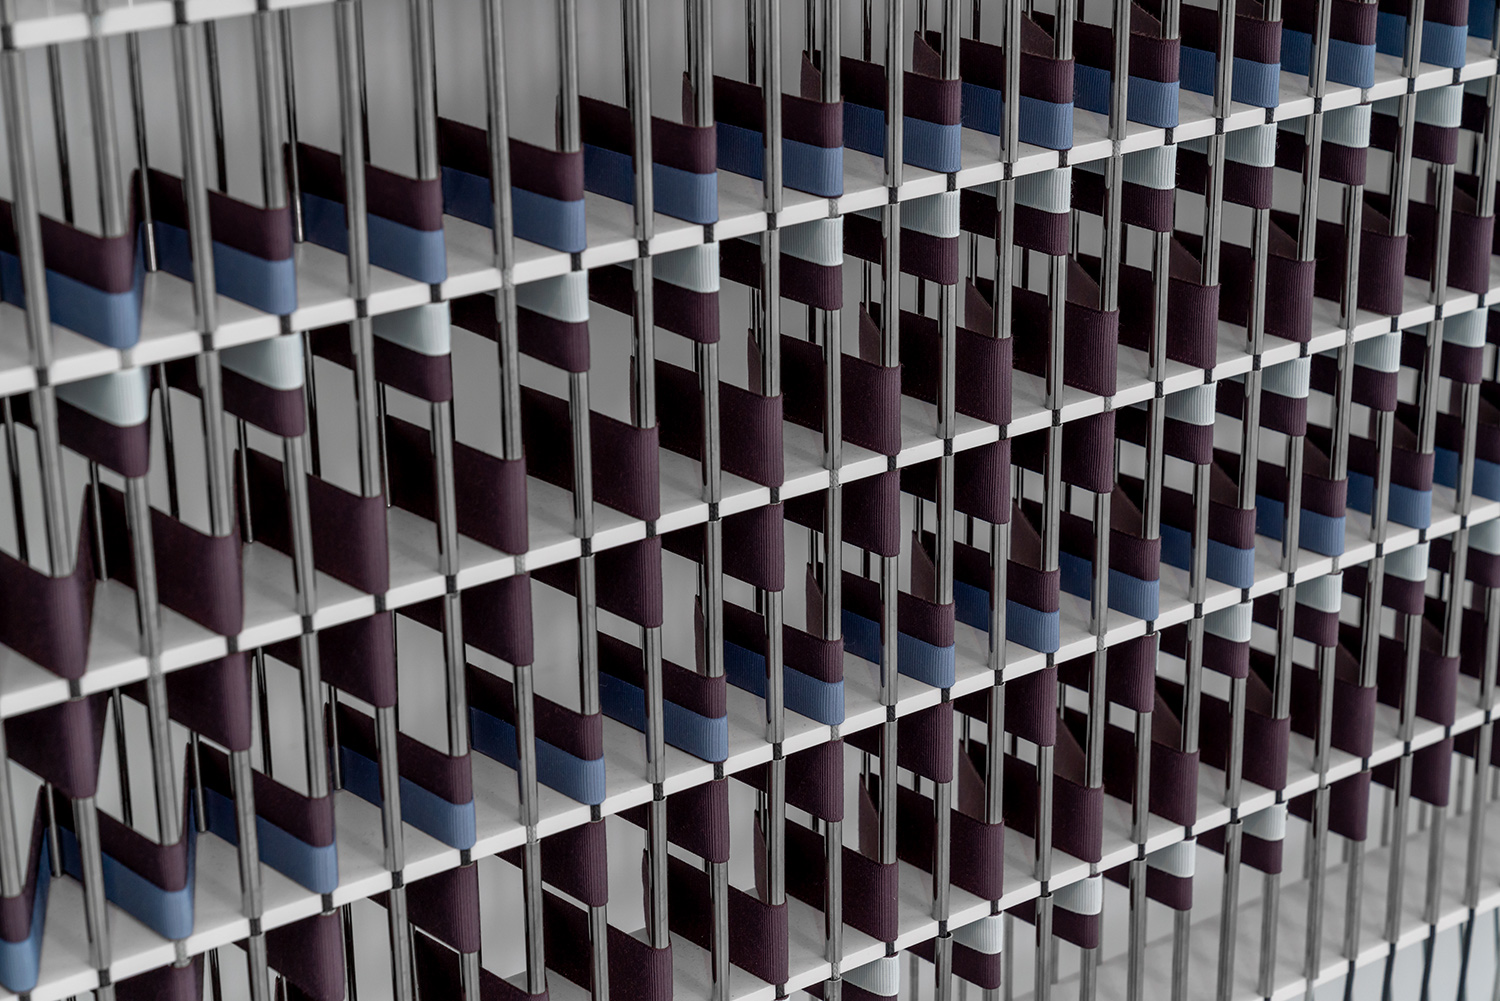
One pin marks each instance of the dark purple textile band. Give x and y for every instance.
(47, 619)
(1077, 811)
(1437, 677)
(126, 450)
(165, 983)
(684, 147)
(310, 954)
(264, 233)
(871, 400)
(1193, 331)
(580, 735)
(1431, 772)
(307, 819)
(1289, 311)
(405, 200)
(212, 699)
(1151, 56)
(626, 467)
(697, 818)
(983, 391)
(562, 345)
(358, 657)
(427, 377)
(348, 531)
(635, 969)
(754, 451)
(1348, 806)
(61, 743)
(445, 775)
(629, 580)
(532, 168)
(446, 906)
(575, 860)
(1042, 77)
(1382, 262)
(1173, 793)
(490, 492)
(1091, 342)
(680, 685)
(753, 545)
(758, 937)
(105, 263)
(196, 574)
(15, 912)
(1353, 706)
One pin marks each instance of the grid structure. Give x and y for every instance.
(392, 558)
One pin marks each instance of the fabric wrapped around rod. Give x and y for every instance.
(983, 364)
(1075, 914)
(689, 308)
(1030, 707)
(106, 419)
(929, 237)
(870, 889)
(1032, 596)
(697, 819)
(1461, 357)
(1262, 839)
(1193, 333)
(261, 383)
(1226, 648)
(295, 832)
(47, 619)
(1250, 161)
(413, 349)
(635, 969)
(1173, 793)
(684, 165)
(546, 187)
(924, 631)
(1324, 502)
(814, 780)
(569, 745)
(1266, 737)
(871, 512)
(1470, 240)
(197, 574)
(349, 540)
(165, 983)
(758, 932)
(1382, 260)
(23, 917)
(552, 320)
(1153, 69)
(871, 402)
(1169, 873)
(1231, 531)
(1134, 563)
(575, 860)
(1088, 447)
(1283, 400)
(437, 789)
(1437, 676)
(924, 744)
(252, 245)
(439, 974)
(1346, 144)
(1257, 53)
(1046, 116)
(151, 882)
(490, 492)
(695, 713)
(1130, 680)
(1091, 341)
(811, 269)
(1410, 496)
(1147, 194)
(310, 955)
(813, 670)
(629, 579)
(931, 107)
(812, 139)
(1438, 114)
(93, 282)
(1431, 772)
(211, 699)
(405, 215)
(1353, 706)
(1188, 428)
(497, 617)
(358, 657)
(1445, 30)
(984, 970)
(1289, 310)
(754, 451)
(1376, 362)
(1316, 618)
(1351, 43)
(1077, 810)
(977, 848)
(1450, 439)
(754, 542)
(445, 906)
(626, 467)
(1348, 806)
(1043, 209)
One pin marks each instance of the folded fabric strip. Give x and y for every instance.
(1046, 115)
(683, 169)
(813, 672)
(1351, 45)
(569, 745)
(1257, 55)
(1445, 30)
(932, 110)
(694, 706)
(812, 143)
(1153, 70)
(23, 917)
(546, 187)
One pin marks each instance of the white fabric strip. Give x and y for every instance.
(1409, 564)
(1232, 623)
(564, 298)
(1324, 594)
(696, 268)
(882, 977)
(276, 363)
(1083, 897)
(1268, 824)
(818, 242)
(1292, 378)
(1048, 191)
(1379, 354)
(1342, 126)
(1178, 860)
(120, 398)
(1255, 146)
(987, 935)
(934, 216)
(1467, 330)
(425, 329)
(1485, 537)
(1152, 168)
(1193, 406)
(1443, 107)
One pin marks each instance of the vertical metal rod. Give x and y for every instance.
(142, 147)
